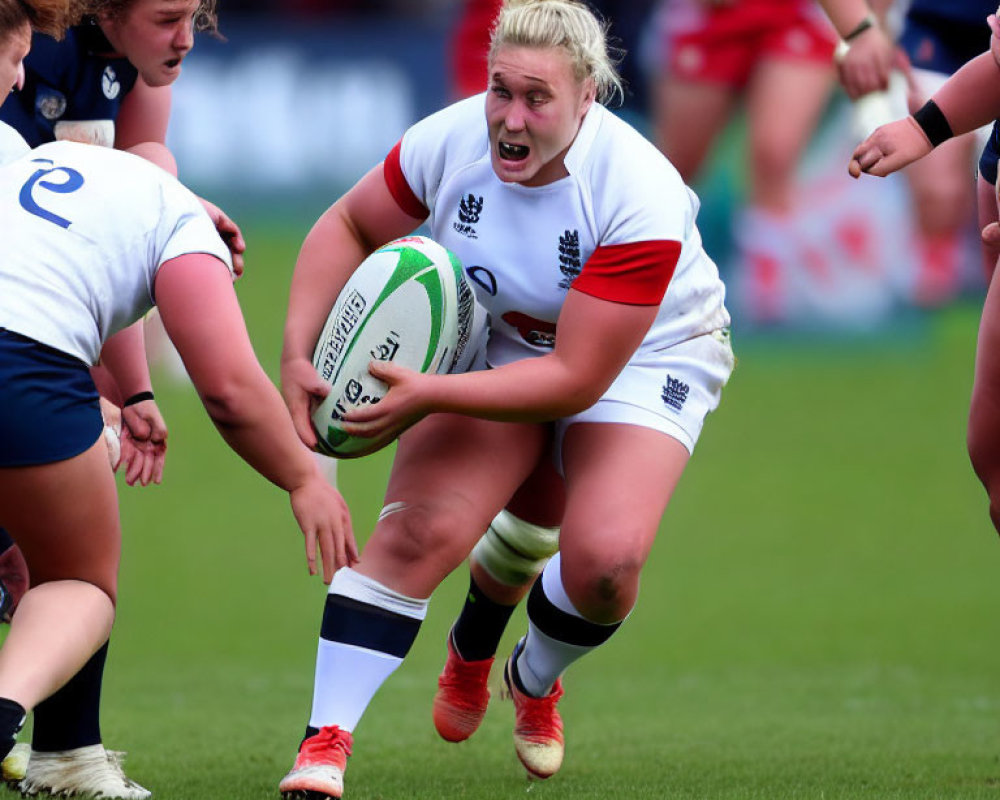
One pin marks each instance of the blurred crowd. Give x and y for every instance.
(742, 96)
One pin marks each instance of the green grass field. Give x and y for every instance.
(819, 618)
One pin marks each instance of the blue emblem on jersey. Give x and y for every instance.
(484, 278)
(73, 181)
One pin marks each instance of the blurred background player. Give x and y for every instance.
(90, 236)
(775, 58)
(938, 37)
(572, 179)
(106, 81)
(965, 102)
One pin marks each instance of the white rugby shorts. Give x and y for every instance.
(670, 390)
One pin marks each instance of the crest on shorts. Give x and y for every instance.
(469, 209)
(569, 258)
(675, 392)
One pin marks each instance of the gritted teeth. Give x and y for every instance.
(513, 152)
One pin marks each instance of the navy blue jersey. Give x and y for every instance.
(974, 11)
(67, 81)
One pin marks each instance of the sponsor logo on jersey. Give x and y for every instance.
(109, 83)
(675, 392)
(569, 258)
(536, 332)
(50, 104)
(469, 209)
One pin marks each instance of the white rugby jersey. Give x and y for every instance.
(620, 227)
(12, 144)
(84, 230)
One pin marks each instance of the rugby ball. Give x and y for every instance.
(409, 302)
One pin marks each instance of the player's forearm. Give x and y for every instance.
(124, 356)
(970, 98)
(846, 15)
(530, 390)
(254, 422)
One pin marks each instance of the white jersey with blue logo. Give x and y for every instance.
(84, 231)
(621, 227)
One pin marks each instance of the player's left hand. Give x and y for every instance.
(403, 405)
(890, 147)
(230, 233)
(144, 443)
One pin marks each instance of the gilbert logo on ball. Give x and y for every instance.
(408, 302)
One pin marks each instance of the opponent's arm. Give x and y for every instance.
(200, 313)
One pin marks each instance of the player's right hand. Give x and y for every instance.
(302, 390)
(864, 67)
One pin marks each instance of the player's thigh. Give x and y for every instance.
(64, 516)
(987, 213)
(541, 498)
(450, 476)
(941, 185)
(785, 99)
(984, 412)
(619, 480)
(687, 119)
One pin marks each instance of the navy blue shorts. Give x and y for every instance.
(940, 44)
(991, 152)
(49, 407)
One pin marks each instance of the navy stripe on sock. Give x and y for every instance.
(557, 624)
(349, 621)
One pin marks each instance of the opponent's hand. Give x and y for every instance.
(302, 390)
(230, 233)
(144, 443)
(890, 147)
(403, 405)
(864, 66)
(325, 521)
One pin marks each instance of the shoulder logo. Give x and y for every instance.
(569, 258)
(109, 83)
(469, 209)
(675, 392)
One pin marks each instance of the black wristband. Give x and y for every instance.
(933, 123)
(865, 24)
(138, 397)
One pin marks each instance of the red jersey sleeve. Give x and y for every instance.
(399, 188)
(636, 273)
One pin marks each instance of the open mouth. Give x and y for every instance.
(513, 152)
(174, 62)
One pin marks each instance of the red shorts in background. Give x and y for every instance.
(722, 43)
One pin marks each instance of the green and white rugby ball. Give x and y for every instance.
(409, 302)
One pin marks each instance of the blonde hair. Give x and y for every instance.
(51, 17)
(567, 24)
